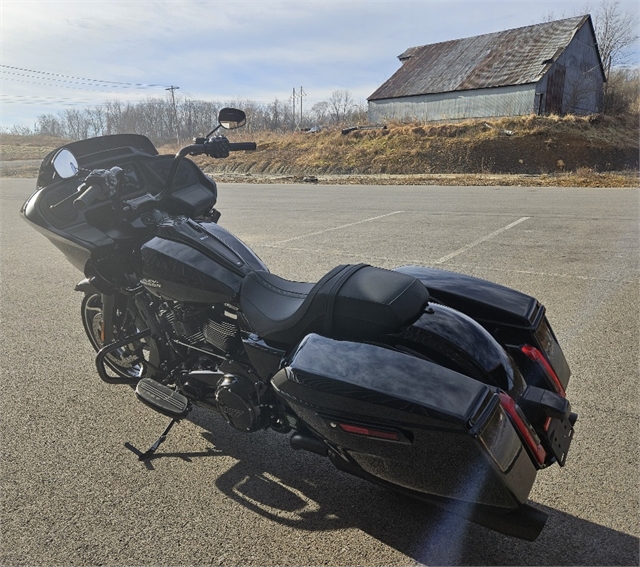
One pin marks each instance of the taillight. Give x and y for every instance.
(526, 431)
(532, 353)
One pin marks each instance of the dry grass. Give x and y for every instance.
(14, 147)
(530, 150)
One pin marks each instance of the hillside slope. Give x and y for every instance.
(529, 145)
(579, 151)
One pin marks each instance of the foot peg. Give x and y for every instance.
(162, 399)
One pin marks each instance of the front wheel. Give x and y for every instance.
(136, 360)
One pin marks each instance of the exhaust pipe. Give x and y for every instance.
(524, 522)
(308, 443)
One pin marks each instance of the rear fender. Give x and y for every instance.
(455, 341)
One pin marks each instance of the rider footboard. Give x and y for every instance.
(408, 421)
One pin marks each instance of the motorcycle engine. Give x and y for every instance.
(235, 394)
(238, 403)
(215, 325)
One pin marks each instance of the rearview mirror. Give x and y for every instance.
(65, 164)
(230, 118)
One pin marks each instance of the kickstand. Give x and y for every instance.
(149, 453)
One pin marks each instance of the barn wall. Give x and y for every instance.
(584, 78)
(573, 84)
(480, 103)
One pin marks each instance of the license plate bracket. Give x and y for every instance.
(559, 437)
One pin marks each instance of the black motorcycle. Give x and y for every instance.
(442, 386)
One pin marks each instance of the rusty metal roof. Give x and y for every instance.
(511, 57)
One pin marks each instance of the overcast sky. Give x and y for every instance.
(54, 53)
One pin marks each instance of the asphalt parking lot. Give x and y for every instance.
(72, 493)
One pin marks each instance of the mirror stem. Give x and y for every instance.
(175, 164)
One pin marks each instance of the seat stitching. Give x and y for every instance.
(278, 290)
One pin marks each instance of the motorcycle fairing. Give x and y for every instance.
(86, 152)
(80, 235)
(459, 439)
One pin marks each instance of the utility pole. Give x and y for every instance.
(302, 93)
(297, 122)
(293, 110)
(175, 110)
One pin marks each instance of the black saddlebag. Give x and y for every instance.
(408, 421)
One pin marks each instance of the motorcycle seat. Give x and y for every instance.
(353, 301)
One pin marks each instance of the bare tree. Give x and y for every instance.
(340, 103)
(320, 112)
(616, 31)
(581, 93)
(155, 117)
(97, 120)
(49, 125)
(623, 92)
(280, 118)
(76, 124)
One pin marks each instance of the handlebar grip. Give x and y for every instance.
(242, 146)
(132, 206)
(88, 196)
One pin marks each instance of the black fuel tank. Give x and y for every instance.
(196, 262)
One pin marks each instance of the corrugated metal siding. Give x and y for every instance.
(584, 76)
(511, 57)
(482, 103)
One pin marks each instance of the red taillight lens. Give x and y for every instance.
(532, 353)
(527, 433)
(368, 432)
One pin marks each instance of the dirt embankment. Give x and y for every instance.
(575, 147)
(533, 150)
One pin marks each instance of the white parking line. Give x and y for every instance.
(479, 241)
(335, 228)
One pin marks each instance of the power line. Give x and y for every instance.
(42, 100)
(113, 89)
(66, 82)
(102, 81)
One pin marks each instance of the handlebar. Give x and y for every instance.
(242, 146)
(88, 196)
(214, 147)
(99, 184)
(219, 147)
(103, 183)
(132, 206)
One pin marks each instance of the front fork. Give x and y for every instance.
(116, 307)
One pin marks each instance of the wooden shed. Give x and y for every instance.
(554, 67)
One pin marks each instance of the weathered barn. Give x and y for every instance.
(554, 67)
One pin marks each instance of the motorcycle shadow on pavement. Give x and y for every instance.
(304, 491)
